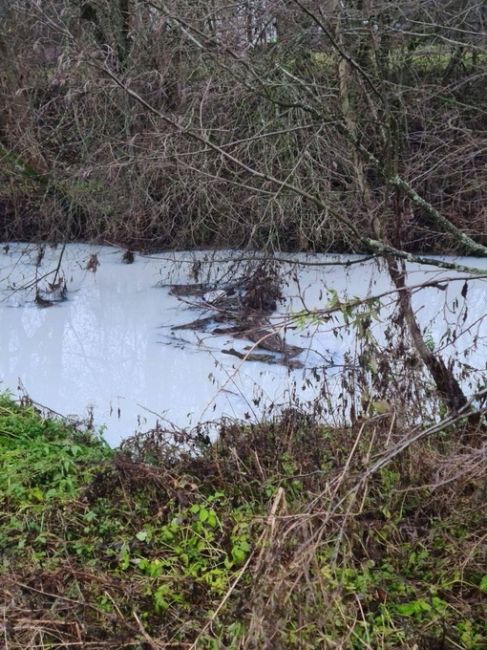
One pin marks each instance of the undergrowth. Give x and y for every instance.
(93, 147)
(259, 540)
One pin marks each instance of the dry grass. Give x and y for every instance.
(284, 535)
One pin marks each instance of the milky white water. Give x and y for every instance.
(109, 349)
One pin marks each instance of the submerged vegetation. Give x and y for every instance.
(282, 534)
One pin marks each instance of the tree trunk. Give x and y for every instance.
(446, 383)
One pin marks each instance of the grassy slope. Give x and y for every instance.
(144, 547)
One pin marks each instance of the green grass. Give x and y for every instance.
(204, 544)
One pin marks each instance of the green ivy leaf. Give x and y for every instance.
(142, 535)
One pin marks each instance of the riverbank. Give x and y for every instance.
(284, 534)
(177, 146)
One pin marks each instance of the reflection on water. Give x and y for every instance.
(109, 347)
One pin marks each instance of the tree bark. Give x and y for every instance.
(446, 383)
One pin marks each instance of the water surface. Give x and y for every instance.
(109, 350)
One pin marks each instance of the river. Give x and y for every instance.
(109, 349)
